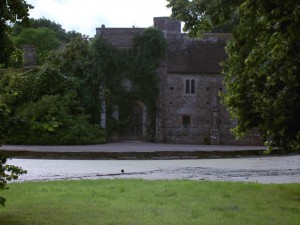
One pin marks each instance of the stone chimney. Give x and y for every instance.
(29, 55)
(167, 24)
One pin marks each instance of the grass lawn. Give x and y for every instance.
(117, 202)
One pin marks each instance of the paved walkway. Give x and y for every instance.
(130, 147)
(130, 150)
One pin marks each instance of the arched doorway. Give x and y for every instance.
(134, 122)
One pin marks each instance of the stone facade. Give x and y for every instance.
(189, 107)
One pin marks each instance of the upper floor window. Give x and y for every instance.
(190, 86)
(187, 86)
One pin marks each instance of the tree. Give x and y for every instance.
(262, 70)
(34, 36)
(8, 173)
(205, 15)
(43, 106)
(52, 34)
(60, 33)
(59, 102)
(11, 11)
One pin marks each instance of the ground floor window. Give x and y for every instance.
(186, 120)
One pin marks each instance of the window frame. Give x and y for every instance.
(190, 86)
(186, 120)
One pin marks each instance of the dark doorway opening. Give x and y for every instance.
(132, 119)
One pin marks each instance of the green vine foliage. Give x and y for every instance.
(138, 66)
(60, 101)
(148, 50)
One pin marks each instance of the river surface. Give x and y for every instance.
(285, 169)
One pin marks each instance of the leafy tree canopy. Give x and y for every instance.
(43, 39)
(44, 106)
(44, 34)
(262, 70)
(205, 15)
(64, 95)
(11, 12)
(61, 34)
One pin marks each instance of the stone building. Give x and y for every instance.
(189, 107)
(29, 56)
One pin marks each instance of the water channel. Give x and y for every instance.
(258, 169)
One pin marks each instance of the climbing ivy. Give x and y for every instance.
(138, 68)
(60, 101)
(148, 50)
(111, 67)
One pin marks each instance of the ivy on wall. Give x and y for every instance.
(148, 50)
(59, 102)
(138, 67)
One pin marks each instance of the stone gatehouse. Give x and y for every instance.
(189, 107)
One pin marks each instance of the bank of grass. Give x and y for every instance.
(149, 202)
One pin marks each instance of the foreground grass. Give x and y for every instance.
(149, 202)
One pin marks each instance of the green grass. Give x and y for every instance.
(149, 202)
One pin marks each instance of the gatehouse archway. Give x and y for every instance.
(134, 122)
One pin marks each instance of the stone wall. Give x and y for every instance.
(167, 24)
(119, 37)
(178, 104)
(210, 122)
(195, 116)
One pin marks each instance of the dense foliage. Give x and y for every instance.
(53, 37)
(8, 173)
(11, 12)
(61, 34)
(34, 37)
(205, 15)
(46, 102)
(59, 102)
(262, 70)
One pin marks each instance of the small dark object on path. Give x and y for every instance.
(122, 171)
